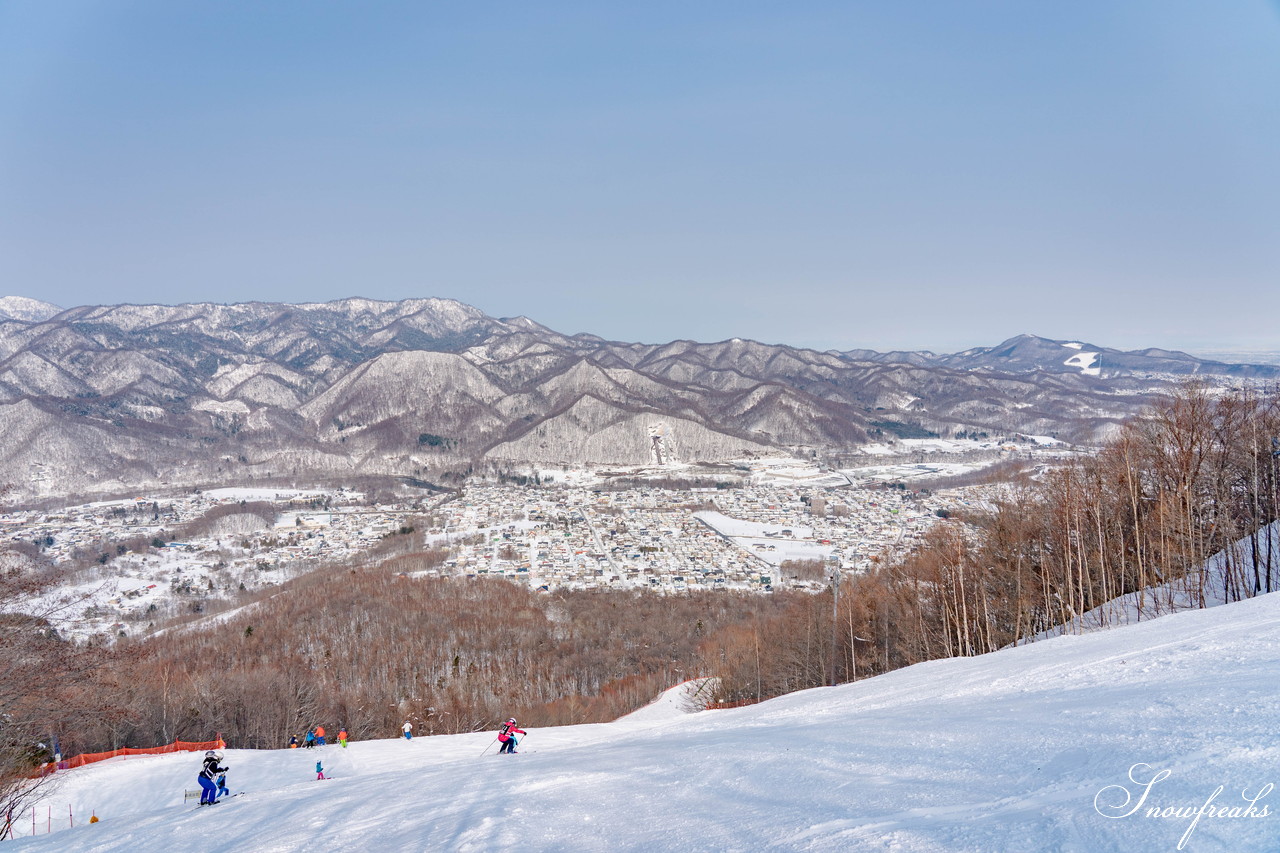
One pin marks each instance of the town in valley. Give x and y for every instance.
(129, 566)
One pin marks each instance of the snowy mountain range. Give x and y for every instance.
(1156, 736)
(110, 398)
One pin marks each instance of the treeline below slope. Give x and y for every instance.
(369, 647)
(1175, 486)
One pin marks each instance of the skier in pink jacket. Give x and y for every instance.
(507, 736)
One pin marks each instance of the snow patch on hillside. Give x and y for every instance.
(218, 407)
(1087, 362)
(687, 698)
(1230, 568)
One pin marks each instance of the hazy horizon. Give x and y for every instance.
(1210, 352)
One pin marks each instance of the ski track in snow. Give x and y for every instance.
(1003, 752)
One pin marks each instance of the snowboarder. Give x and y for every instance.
(208, 773)
(319, 735)
(507, 736)
(319, 771)
(408, 730)
(342, 737)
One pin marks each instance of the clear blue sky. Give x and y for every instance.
(902, 173)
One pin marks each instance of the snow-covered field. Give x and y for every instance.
(765, 540)
(1111, 741)
(914, 472)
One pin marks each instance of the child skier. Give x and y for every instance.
(408, 730)
(209, 772)
(507, 736)
(319, 771)
(342, 737)
(222, 785)
(293, 741)
(311, 740)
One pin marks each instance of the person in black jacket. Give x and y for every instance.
(208, 773)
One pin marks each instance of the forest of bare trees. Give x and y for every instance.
(47, 685)
(1171, 489)
(369, 647)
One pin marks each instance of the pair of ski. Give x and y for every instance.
(220, 799)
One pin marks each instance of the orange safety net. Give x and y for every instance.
(92, 757)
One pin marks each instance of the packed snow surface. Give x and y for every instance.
(1033, 748)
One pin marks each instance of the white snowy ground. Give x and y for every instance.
(753, 537)
(1019, 750)
(910, 471)
(239, 493)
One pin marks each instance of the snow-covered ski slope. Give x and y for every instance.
(1019, 750)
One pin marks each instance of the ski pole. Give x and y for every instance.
(491, 743)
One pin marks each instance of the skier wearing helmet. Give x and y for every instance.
(208, 773)
(507, 736)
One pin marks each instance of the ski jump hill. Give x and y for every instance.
(1160, 735)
